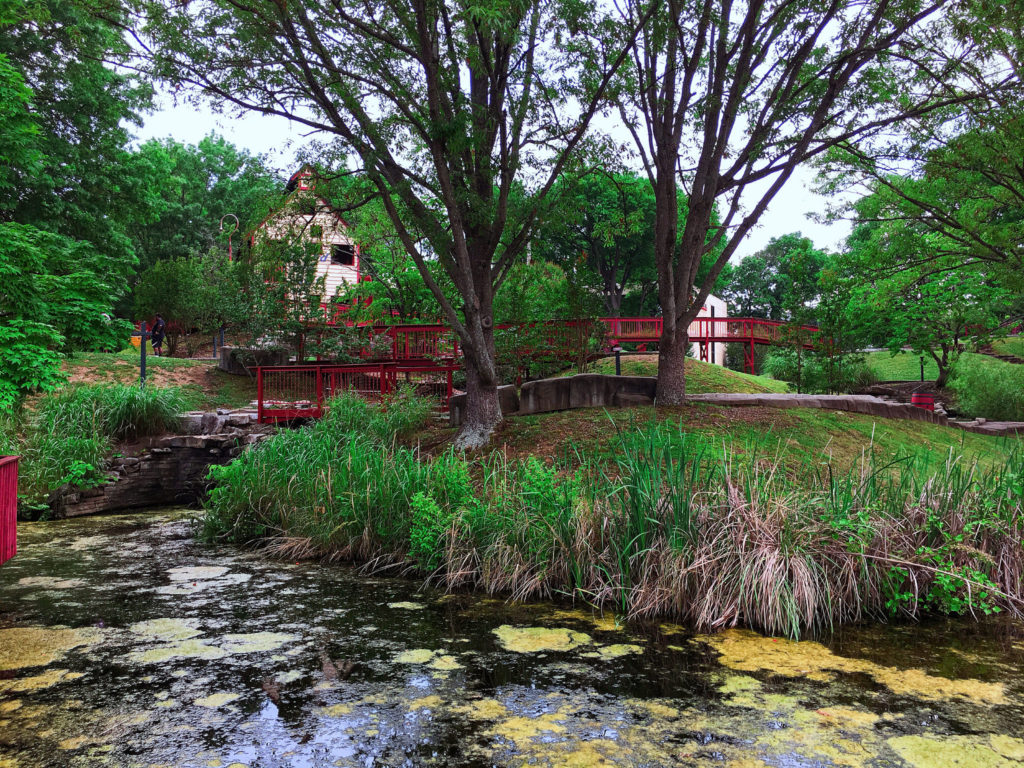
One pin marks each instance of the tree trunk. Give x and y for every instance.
(943, 365)
(672, 367)
(482, 410)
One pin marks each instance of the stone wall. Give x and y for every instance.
(591, 390)
(168, 471)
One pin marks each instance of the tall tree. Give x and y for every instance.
(188, 189)
(768, 283)
(449, 107)
(725, 99)
(604, 220)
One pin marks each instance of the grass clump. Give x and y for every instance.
(989, 388)
(66, 439)
(667, 523)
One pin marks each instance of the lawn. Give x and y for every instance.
(903, 366)
(1011, 345)
(700, 377)
(206, 387)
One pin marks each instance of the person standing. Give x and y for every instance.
(157, 335)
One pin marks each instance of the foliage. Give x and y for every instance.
(670, 524)
(988, 388)
(903, 306)
(601, 228)
(197, 295)
(776, 280)
(66, 439)
(817, 372)
(64, 257)
(185, 190)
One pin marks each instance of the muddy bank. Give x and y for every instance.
(125, 643)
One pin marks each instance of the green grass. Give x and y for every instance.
(204, 386)
(1011, 345)
(68, 435)
(700, 377)
(657, 518)
(903, 366)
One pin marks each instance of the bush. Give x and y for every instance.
(814, 373)
(991, 389)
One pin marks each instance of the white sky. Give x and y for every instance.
(280, 139)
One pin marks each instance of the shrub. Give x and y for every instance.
(814, 373)
(991, 389)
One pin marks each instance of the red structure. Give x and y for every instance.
(8, 507)
(426, 356)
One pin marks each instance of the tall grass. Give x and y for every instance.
(671, 525)
(65, 440)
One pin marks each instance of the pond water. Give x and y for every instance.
(124, 642)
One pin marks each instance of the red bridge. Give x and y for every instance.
(426, 356)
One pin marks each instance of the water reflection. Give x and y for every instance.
(124, 642)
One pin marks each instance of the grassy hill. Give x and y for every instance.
(807, 435)
(205, 386)
(700, 377)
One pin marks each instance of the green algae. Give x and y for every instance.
(407, 606)
(982, 751)
(617, 651)
(256, 642)
(750, 652)
(185, 649)
(415, 656)
(166, 629)
(215, 700)
(23, 647)
(539, 639)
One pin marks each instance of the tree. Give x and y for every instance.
(197, 295)
(185, 191)
(906, 296)
(62, 255)
(774, 282)
(725, 100)
(450, 107)
(604, 220)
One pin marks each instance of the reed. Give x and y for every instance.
(670, 524)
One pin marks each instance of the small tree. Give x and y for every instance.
(195, 294)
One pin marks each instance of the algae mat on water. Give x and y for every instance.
(137, 646)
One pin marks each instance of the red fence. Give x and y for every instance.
(425, 356)
(286, 392)
(8, 507)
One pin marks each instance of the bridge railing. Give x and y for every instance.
(8, 507)
(287, 392)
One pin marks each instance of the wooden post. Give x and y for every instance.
(8, 507)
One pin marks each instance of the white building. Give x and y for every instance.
(714, 307)
(304, 216)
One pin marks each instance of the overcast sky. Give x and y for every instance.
(280, 139)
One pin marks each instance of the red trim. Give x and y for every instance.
(8, 507)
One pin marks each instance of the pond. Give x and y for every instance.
(124, 642)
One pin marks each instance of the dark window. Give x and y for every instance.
(343, 254)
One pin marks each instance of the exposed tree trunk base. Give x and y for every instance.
(483, 413)
(671, 389)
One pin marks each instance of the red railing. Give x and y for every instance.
(286, 392)
(8, 507)
(426, 356)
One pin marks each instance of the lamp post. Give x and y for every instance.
(618, 361)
